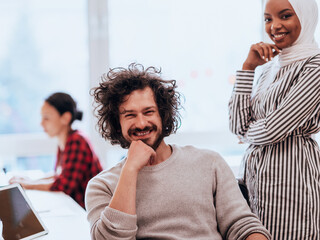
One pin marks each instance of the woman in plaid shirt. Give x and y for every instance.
(76, 161)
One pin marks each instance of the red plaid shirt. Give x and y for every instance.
(78, 164)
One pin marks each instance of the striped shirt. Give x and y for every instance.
(282, 162)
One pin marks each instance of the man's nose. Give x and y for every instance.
(141, 121)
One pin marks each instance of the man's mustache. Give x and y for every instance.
(149, 128)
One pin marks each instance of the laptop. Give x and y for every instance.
(19, 219)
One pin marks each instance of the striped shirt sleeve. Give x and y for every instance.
(239, 104)
(244, 82)
(300, 104)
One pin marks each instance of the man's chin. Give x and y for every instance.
(153, 145)
(148, 143)
(156, 144)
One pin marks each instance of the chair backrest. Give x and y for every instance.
(243, 189)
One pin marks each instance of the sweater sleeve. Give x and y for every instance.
(234, 217)
(106, 222)
(296, 108)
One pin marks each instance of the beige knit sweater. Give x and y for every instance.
(191, 195)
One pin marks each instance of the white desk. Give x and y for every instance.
(63, 217)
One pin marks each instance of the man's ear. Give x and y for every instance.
(66, 118)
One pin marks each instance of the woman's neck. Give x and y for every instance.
(62, 137)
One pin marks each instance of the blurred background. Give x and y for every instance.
(55, 45)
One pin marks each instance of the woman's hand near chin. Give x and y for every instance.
(259, 54)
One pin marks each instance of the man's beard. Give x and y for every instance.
(157, 142)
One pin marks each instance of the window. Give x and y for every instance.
(198, 43)
(43, 49)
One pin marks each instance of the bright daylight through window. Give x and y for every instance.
(44, 47)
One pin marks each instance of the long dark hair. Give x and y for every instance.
(63, 102)
(120, 82)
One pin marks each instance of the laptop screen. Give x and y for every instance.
(19, 219)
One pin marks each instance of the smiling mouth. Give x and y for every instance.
(141, 134)
(278, 37)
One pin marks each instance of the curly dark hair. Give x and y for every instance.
(120, 82)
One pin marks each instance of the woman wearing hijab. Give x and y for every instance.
(278, 118)
(76, 161)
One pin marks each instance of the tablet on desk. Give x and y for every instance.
(19, 219)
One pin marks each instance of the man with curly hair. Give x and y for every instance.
(160, 191)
